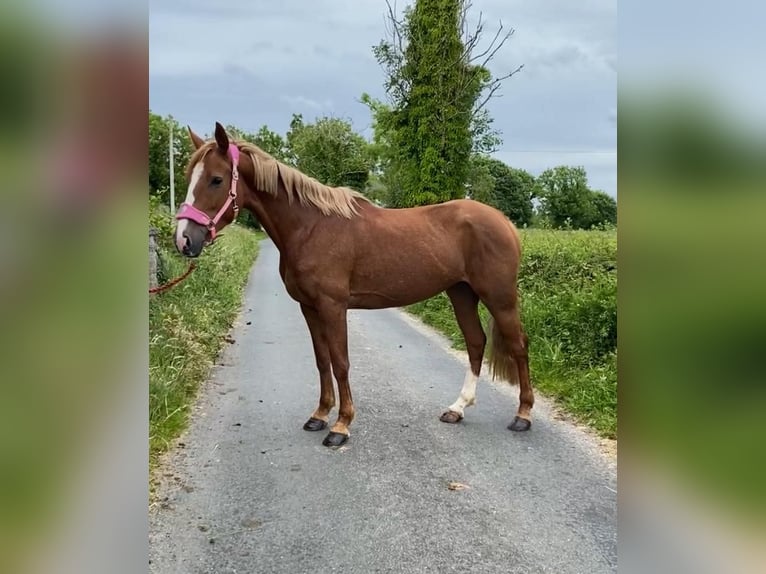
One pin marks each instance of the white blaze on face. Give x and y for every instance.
(182, 223)
(467, 393)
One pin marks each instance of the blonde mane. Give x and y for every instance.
(341, 201)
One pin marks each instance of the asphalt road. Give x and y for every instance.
(248, 491)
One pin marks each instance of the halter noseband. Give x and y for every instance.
(190, 212)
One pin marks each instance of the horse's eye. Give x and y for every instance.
(217, 180)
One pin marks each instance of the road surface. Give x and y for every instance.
(248, 491)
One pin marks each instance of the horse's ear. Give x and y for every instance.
(221, 138)
(196, 140)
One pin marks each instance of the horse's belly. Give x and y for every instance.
(404, 287)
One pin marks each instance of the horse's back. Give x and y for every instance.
(404, 255)
(460, 224)
(476, 226)
(450, 213)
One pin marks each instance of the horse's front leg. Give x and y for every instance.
(321, 415)
(333, 316)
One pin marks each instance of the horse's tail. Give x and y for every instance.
(502, 365)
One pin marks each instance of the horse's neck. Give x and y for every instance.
(283, 222)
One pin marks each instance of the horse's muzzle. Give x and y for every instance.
(190, 238)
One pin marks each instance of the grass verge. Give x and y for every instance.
(187, 325)
(568, 288)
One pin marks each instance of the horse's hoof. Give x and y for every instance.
(451, 417)
(335, 439)
(315, 424)
(519, 424)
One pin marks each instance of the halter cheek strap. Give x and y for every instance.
(190, 212)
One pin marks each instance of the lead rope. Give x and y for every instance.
(175, 281)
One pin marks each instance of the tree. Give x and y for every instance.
(605, 208)
(234, 132)
(159, 175)
(330, 151)
(480, 185)
(270, 142)
(512, 190)
(296, 126)
(383, 164)
(437, 90)
(159, 169)
(567, 201)
(565, 197)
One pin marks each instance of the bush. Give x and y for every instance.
(160, 219)
(568, 287)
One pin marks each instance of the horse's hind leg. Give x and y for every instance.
(509, 353)
(465, 302)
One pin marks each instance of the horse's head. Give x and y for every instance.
(212, 200)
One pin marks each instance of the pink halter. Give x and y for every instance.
(188, 211)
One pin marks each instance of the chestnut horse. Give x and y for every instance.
(338, 251)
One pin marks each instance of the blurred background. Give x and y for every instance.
(73, 280)
(692, 320)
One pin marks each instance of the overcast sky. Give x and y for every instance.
(258, 62)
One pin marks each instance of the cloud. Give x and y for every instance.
(256, 63)
(302, 102)
(566, 53)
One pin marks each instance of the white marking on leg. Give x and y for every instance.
(182, 223)
(467, 393)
